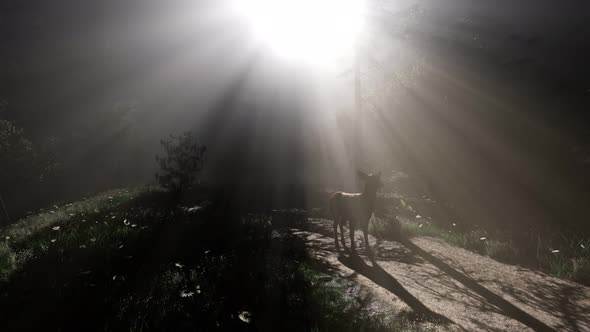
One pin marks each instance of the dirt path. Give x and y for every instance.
(468, 292)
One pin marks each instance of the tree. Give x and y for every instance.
(183, 159)
(16, 155)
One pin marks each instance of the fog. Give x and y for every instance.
(480, 103)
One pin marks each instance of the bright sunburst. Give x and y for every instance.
(314, 31)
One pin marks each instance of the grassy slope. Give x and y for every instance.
(127, 260)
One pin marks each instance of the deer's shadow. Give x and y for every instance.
(380, 277)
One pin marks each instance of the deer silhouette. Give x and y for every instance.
(356, 208)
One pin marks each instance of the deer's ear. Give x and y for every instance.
(362, 175)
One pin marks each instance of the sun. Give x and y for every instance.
(314, 31)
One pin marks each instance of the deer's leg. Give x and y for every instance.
(352, 244)
(342, 233)
(367, 246)
(336, 233)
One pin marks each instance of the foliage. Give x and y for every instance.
(22, 162)
(183, 159)
(131, 263)
(16, 151)
(565, 256)
(6, 260)
(20, 157)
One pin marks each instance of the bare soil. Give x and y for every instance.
(452, 288)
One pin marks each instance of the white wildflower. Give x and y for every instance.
(245, 316)
(186, 293)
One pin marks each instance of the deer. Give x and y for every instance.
(356, 208)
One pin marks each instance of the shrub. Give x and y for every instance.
(6, 260)
(385, 228)
(183, 159)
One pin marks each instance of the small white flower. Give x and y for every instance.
(193, 209)
(56, 228)
(554, 251)
(178, 265)
(454, 225)
(420, 226)
(186, 293)
(82, 246)
(581, 245)
(483, 238)
(53, 240)
(418, 216)
(93, 239)
(133, 225)
(245, 316)
(7, 238)
(126, 223)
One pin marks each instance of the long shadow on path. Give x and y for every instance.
(508, 309)
(379, 276)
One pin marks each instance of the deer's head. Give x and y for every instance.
(372, 181)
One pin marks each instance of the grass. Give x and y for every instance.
(47, 217)
(128, 260)
(564, 256)
(568, 258)
(92, 222)
(476, 240)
